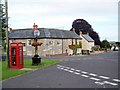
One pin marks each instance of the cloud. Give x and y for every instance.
(28, 11)
(61, 13)
(66, 6)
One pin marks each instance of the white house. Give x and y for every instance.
(55, 41)
(87, 42)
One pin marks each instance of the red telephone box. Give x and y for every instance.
(16, 55)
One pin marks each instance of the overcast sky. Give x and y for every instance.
(101, 14)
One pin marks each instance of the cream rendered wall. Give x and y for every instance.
(57, 46)
(86, 45)
(50, 49)
(91, 44)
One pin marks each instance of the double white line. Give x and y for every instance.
(87, 74)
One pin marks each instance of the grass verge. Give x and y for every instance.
(8, 73)
(44, 63)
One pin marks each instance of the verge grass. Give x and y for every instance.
(9, 73)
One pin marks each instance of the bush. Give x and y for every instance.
(95, 48)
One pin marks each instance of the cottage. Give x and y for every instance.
(87, 42)
(55, 41)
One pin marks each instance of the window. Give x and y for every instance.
(24, 44)
(29, 42)
(50, 43)
(58, 43)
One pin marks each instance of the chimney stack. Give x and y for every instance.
(87, 33)
(80, 32)
(73, 30)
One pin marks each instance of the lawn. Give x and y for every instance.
(8, 73)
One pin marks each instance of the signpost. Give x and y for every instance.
(36, 33)
(36, 59)
(35, 27)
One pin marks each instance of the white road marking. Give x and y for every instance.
(100, 83)
(72, 69)
(106, 82)
(84, 76)
(96, 79)
(76, 73)
(104, 77)
(92, 74)
(67, 67)
(84, 72)
(77, 70)
(117, 80)
(58, 67)
(62, 68)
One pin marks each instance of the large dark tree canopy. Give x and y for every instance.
(85, 27)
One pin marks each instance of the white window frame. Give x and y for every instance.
(28, 42)
(59, 43)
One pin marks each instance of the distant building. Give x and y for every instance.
(55, 41)
(87, 41)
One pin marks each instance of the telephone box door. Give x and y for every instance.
(16, 55)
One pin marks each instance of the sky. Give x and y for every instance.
(59, 14)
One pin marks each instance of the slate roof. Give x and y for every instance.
(44, 33)
(88, 38)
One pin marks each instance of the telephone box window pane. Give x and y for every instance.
(20, 55)
(14, 56)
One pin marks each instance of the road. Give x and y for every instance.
(94, 71)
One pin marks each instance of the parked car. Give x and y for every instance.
(116, 49)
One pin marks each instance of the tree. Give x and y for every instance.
(105, 44)
(85, 27)
(3, 24)
(118, 44)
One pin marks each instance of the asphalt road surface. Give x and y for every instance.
(94, 71)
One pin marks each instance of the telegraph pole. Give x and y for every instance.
(7, 36)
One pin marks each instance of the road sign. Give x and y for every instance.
(35, 27)
(36, 33)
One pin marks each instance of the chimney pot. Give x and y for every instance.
(80, 33)
(73, 30)
(87, 33)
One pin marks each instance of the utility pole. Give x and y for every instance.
(7, 36)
